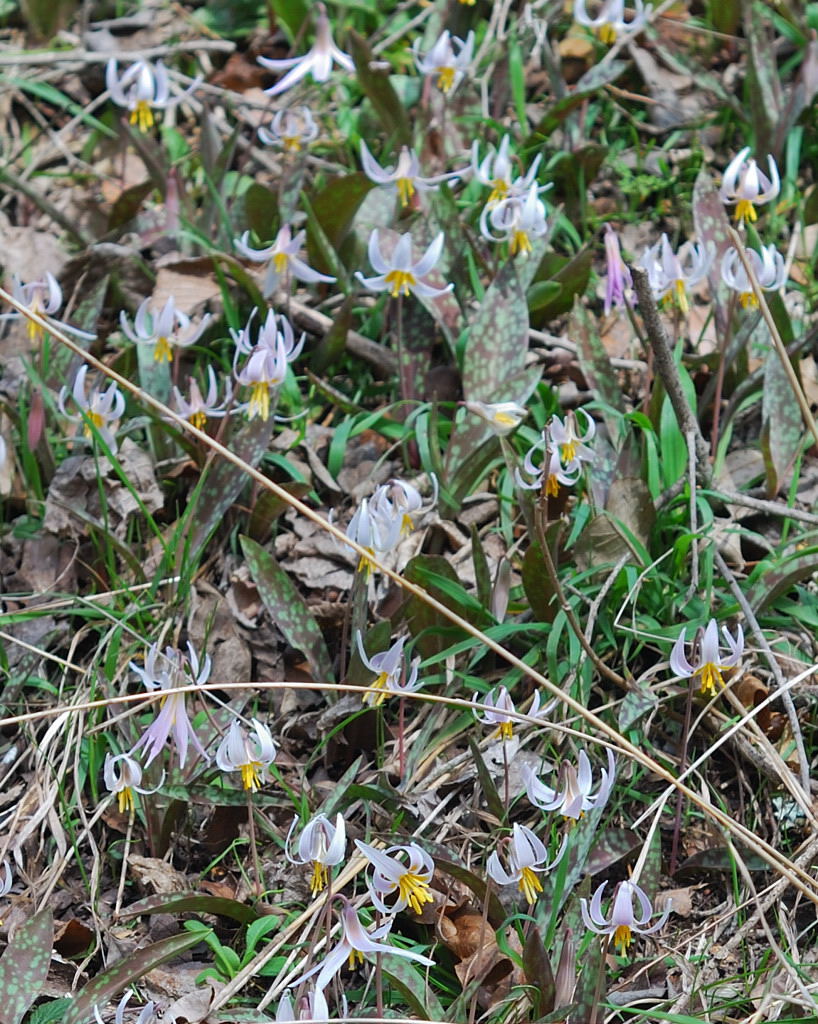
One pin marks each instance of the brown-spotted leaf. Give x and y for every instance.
(411, 983)
(287, 609)
(125, 972)
(595, 363)
(782, 429)
(711, 223)
(611, 847)
(191, 903)
(24, 966)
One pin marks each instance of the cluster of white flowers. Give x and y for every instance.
(380, 521)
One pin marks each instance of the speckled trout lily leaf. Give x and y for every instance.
(711, 223)
(412, 985)
(374, 82)
(191, 903)
(782, 428)
(125, 972)
(24, 966)
(287, 609)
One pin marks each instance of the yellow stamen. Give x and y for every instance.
(415, 891)
(568, 451)
(320, 877)
(521, 243)
(96, 419)
(251, 775)
(34, 330)
(445, 78)
(292, 143)
(746, 211)
(142, 115)
(748, 300)
(402, 282)
(125, 800)
(407, 525)
(504, 419)
(198, 420)
(506, 730)
(376, 699)
(552, 486)
(355, 957)
(365, 563)
(681, 295)
(622, 939)
(280, 261)
(163, 353)
(606, 34)
(499, 190)
(529, 885)
(405, 190)
(710, 676)
(259, 400)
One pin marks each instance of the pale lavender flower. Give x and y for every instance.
(266, 366)
(405, 175)
(499, 710)
(146, 1014)
(671, 274)
(123, 778)
(98, 409)
(376, 528)
(768, 267)
(282, 259)
(8, 881)
(618, 276)
(711, 663)
(442, 60)
(575, 795)
(525, 856)
(610, 19)
(399, 499)
(312, 1006)
(502, 417)
(291, 129)
(166, 672)
(238, 751)
(199, 407)
(321, 844)
(408, 882)
(745, 185)
(141, 89)
(569, 442)
(515, 220)
(496, 171)
(623, 920)
(317, 61)
(168, 329)
(399, 274)
(43, 298)
(390, 669)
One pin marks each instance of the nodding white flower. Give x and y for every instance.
(355, 942)
(398, 274)
(441, 60)
(141, 89)
(123, 776)
(198, 407)
(525, 856)
(516, 221)
(8, 881)
(266, 366)
(146, 1013)
(312, 1006)
(502, 417)
(405, 174)
(376, 528)
(321, 844)
(618, 276)
(746, 186)
(98, 409)
(670, 275)
(623, 920)
(292, 129)
(768, 267)
(166, 671)
(711, 663)
(495, 171)
(610, 21)
(43, 298)
(317, 61)
(576, 795)
(402, 500)
(551, 472)
(390, 669)
(283, 259)
(570, 444)
(239, 751)
(168, 328)
(409, 881)
(500, 711)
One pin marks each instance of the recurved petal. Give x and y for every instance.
(679, 664)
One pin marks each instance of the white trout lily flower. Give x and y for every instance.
(671, 274)
(98, 409)
(146, 1014)
(569, 442)
(406, 876)
(8, 880)
(576, 794)
(312, 1006)
(402, 500)
(441, 60)
(768, 267)
(746, 186)
(499, 710)
(495, 171)
(390, 669)
(123, 777)
(166, 671)
(141, 89)
(375, 528)
(525, 856)
(399, 274)
(502, 417)
(320, 844)
(711, 663)
(292, 129)
(266, 367)
(199, 407)
(516, 221)
(282, 259)
(43, 298)
(316, 62)
(610, 20)
(168, 329)
(405, 175)
(623, 920)
(355, 942)
(548, 476)
(239, 751)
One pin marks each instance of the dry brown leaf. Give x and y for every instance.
(158, 875)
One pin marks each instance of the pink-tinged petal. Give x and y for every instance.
(376, 257)
(596, 905)
(728, 184)
(294, 75)
(279, 65)
(387, 866)
(622, 913)
(659, 923)
(498, 873)
(371, 168)
(679, 664)
(600, 927)
(337, 847)
(529, 851)
(402, 255)
(646, 910)
(710, 644)
(539, 793)
(346, 62)
(736, 646)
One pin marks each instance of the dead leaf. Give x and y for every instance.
(158, 875)
(71, 938)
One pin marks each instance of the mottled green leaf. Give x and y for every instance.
(411, 983)
(24, 966)
(287, 609)
(538, 586)
(611, 847)
(538, 974)
(50, 1012)
(782, 428)
(637, 703)
(595, 364)
(125, 972)
(191, 903)
(433, 631)
(374, 82)
(711, 223)
(589, 984)
(774, 580)
(763, 82)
